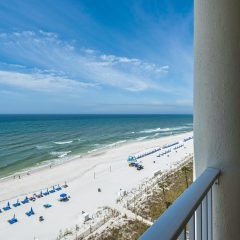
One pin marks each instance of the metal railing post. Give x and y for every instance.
(191, 225)
(209, 198)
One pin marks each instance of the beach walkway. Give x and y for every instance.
(130, 214)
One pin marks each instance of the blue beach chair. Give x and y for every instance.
(52, 190)
(13, 220)
(58, 188)
(30, 213)
(7, 207)
(47, 205)
(26, 200)
(46, 193)
(17, 203)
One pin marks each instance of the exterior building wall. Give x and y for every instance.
(217, 107)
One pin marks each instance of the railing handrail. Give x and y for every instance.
(172, 222)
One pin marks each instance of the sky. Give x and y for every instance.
(91, 56)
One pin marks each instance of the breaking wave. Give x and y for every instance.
(60, 154)
(63, 142)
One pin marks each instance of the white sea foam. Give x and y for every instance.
(80, 140)
(39, 147)
(106, 146)
(128, 133)
(63, 142)
(141, 138)
(97, 144)
(164, 129)
(114, 144)
(179, 128)
(60, 154)
(155, 130)
(94, 150)
(117, 143)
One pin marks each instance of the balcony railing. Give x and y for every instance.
(190, 216)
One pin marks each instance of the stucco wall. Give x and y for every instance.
(217, 107)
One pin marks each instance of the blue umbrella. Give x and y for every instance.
(63, 195)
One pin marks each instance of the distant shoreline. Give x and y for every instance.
(54, 163)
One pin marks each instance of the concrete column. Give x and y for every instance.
(217, 107)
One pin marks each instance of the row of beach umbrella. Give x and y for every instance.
(33, 198)
(165, 152)
(148, 153)
(187, 139)
(179, 146)
(170, 145)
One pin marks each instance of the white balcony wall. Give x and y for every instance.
(217, 107)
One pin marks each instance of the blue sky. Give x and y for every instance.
(108, 56)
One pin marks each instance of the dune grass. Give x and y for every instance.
(130, 229)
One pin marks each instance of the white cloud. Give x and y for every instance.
(41, 82)
(46, 53)
(133, 62)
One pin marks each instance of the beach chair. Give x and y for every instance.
(32, 198)
(47, 205)
(30, 213)
(140, 167)
(46, 193)
(26, 200)
(58, 188)
(52, 190)
(7, 207)
(39, 195)
(13, 220)
(17, 203)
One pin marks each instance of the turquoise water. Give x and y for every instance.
(31, 140)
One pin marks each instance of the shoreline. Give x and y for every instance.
(95, 152)
(108, 171)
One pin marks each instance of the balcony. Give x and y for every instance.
(206, 210)
(190, 216)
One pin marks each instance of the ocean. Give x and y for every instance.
(28, 141)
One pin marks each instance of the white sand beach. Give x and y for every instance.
(106, 169)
